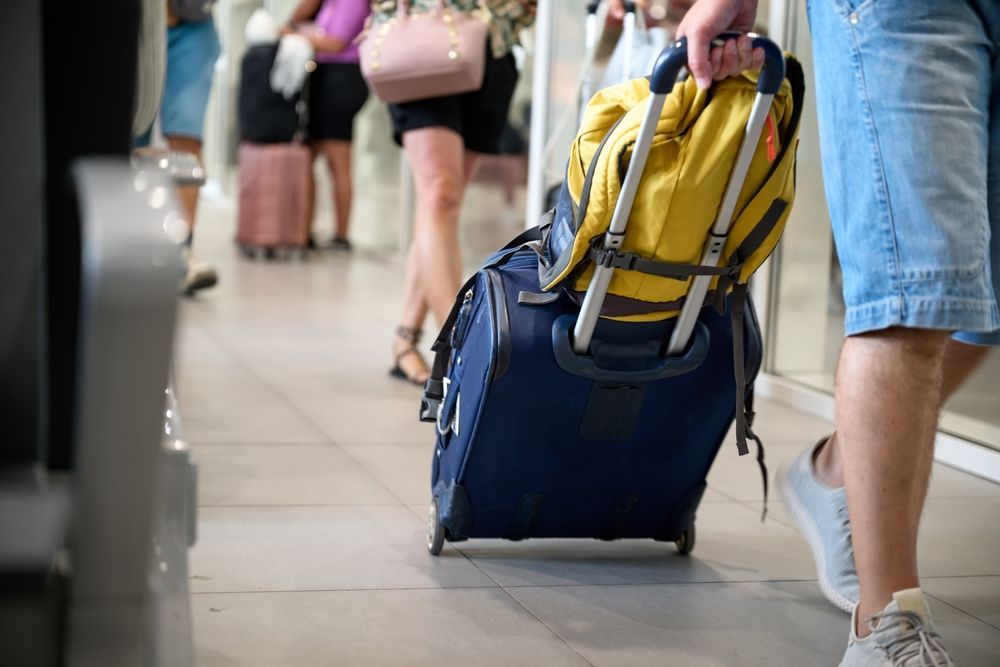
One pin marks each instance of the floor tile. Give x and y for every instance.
(359, 374)
(320, 548)
(781, 426)
(732, 545)
(347, 418)
(194, 347)
(412, 628)
(956, 541)
(738, 477)
(284, 475)
(403, 469)
(953, 541)
(786, 623)
(978, 596)
(229, 404)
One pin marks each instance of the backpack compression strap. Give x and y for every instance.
(744, 398)
(631, 261)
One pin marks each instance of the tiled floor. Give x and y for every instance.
(313, 484)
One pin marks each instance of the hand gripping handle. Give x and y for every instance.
(668, 66)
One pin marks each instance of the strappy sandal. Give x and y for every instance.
(411, 336)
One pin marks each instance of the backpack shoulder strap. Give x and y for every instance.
(561, 261)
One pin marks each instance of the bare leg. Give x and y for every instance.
(314, 150)
(470, 165)
(960, 361)
(187, 194)
(888, 397)
(436, 155)
(433, 263)
(338, 157)
(414, 314)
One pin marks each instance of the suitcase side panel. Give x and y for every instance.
(275, 189)
(471, 365)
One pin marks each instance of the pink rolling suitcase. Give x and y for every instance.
(275, 201)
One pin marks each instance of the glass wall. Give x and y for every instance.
(807, 310)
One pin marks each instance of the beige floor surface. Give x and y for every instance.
(313, 488)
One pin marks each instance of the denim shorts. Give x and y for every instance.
(908, 95)
(192, 49)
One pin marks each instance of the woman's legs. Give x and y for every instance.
(442, 170)
(437, 161)
(406, 358)
(338, 157)
(470, 164)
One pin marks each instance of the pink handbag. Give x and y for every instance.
(418, 56)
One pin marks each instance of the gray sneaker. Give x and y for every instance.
(902, 636)
(821, 514)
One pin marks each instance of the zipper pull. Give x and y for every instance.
(772, 151)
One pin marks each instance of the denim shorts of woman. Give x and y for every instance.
(908, 96)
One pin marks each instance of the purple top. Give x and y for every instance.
(342, 19)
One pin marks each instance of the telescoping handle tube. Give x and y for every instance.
(668, 66)
(628, 39)
(589, 44)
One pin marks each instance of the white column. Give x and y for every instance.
(540, 92)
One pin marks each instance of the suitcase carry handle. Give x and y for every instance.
(665, 72)
(668, 66)
(652, 366)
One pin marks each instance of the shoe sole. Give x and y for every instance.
(809, 530)
(201, 283)
(398, 374)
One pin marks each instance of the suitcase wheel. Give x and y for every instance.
(685, 543)
(435, 531)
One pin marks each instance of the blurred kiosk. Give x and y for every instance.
(96, 498)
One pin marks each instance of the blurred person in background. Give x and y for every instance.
(443, 138)
(336, 93)
(192, 49)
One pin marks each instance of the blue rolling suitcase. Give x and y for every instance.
(554, 422)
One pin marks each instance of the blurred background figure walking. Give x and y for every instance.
(336, 93)
(192, 49)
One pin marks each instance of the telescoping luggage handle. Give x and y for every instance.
(589, 41)
(668, 66)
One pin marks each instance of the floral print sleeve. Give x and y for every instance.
(507, 17)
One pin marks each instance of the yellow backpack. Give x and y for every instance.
(693, 151)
